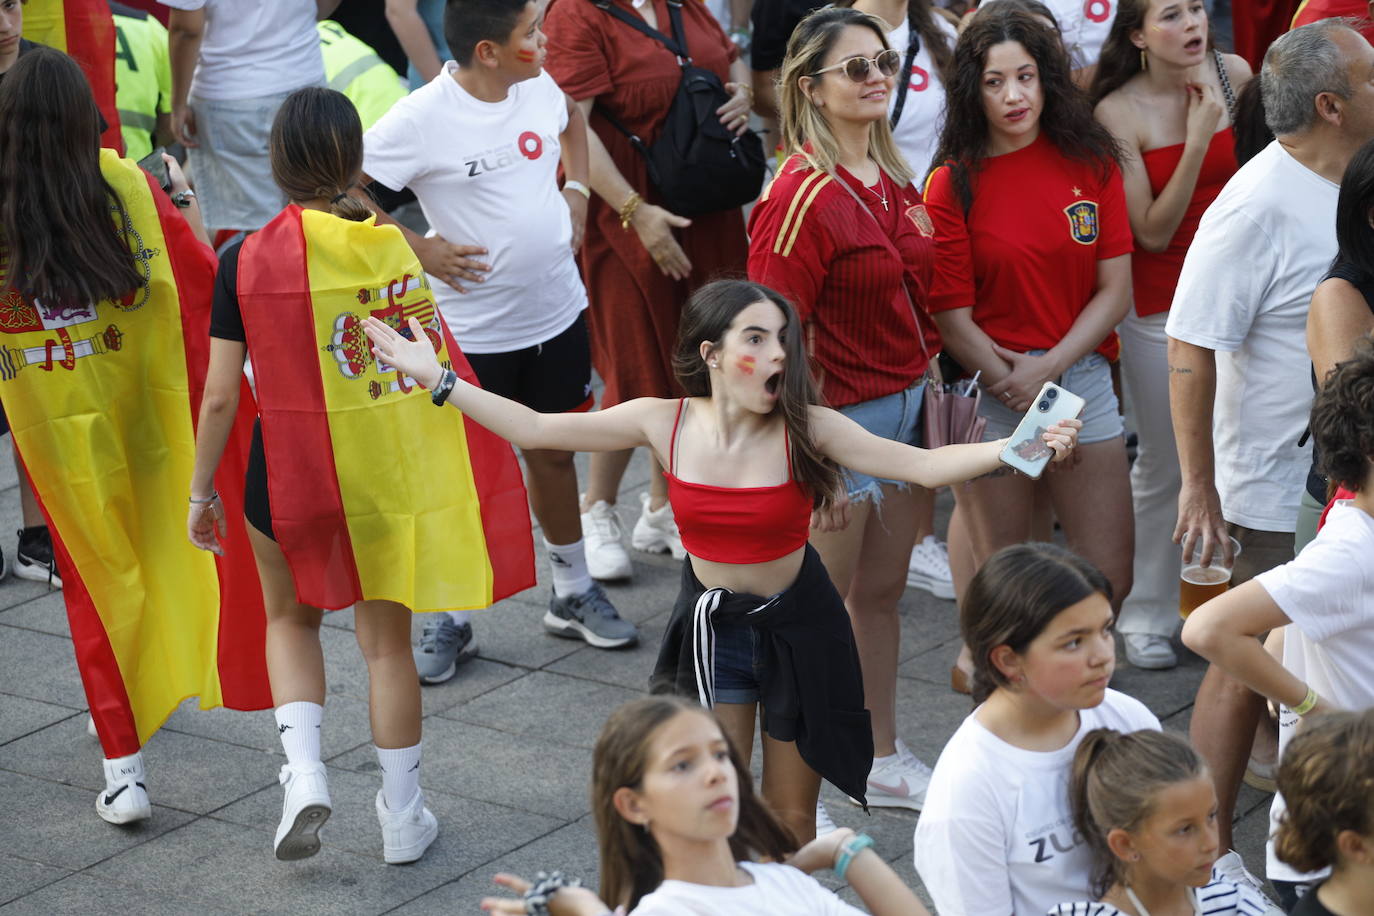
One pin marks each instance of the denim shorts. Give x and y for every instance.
(737, 663)
(1091, 379)
(893, 416)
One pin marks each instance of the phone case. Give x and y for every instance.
(1027, 451)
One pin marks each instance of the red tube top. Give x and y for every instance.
(1154, 274)
(737, 524)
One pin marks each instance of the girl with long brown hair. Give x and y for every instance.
(1168, 97)
(749, 455)
(679, 829)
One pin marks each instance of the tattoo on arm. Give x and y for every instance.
(1180, 370)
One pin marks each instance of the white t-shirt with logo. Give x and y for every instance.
(486, 173)
(778, 890)
(1083, 26)
(1261, 249)
(923, 114)
(996, 836)
(255, 48)
(1328, 593)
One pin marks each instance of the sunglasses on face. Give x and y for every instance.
(857, 68)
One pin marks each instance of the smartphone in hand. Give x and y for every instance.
(155, 165)
(1027, 451)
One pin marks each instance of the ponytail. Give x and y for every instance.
(316, 150)
(346, 206)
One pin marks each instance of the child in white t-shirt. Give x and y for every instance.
(1327, 593)
(480, 146)
(997, 833)
(1148, 809)
(679, 828)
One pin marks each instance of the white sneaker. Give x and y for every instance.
(656, 530)
(603, 540)
(90, 726)
(1232, 868)
(928, 568)
(407, 833)
(898, 782)
(125, 798)
(824, 824)
(304, 809)
(1149, 651)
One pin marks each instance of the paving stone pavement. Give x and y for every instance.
(507, 762)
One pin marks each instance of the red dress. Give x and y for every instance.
(1154, 274)
(635, 308)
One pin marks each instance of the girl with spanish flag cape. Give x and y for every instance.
(102, 362)
(355, 495)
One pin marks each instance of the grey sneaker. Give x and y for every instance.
(589, 616)
(444, 645)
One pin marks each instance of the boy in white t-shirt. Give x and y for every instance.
(479, 146)
(1327, 593)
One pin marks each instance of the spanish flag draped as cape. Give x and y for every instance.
(102, 400)
(85, 30)
(375, 493)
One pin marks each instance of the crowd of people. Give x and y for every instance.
(971, 212)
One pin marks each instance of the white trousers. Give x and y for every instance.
(1152, 606)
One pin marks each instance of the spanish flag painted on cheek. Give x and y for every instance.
(375, 493)
(102, 401)
(84, 30)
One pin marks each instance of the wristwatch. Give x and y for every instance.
(183, 198)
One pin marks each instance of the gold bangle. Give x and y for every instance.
(1307, 703)
(628, 208)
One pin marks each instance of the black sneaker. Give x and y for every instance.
(589, 616)
(34, 561)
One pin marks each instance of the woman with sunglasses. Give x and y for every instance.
(1168, 97)
(1032, 273)
(843, 234)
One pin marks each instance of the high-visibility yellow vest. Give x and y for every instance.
(353, 68)
(143, 78)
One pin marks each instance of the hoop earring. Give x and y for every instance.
(1144, 62)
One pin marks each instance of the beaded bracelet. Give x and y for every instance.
(542, 890)
(851, 848)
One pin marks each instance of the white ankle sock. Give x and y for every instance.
(569, 565)
(458, 617)
(298, 725)
(400, 775)
(119, 770)
(879, 761)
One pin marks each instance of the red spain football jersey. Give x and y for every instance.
(1025, 259)
(810, 240)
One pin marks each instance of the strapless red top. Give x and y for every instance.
(737, 524)
(1154, 274)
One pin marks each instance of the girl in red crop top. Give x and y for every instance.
(752, 452)
(1167, 96)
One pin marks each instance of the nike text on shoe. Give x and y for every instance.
(656, 531)
(125, 799)
(407, 833)
(444, 645)
(589, 616)
(603, 539)
(304, 809)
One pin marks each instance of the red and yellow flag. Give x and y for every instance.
(375, 493)
(102, 400)
(85, 30)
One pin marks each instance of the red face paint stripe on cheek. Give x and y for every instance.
(524, 57)
(746, 364)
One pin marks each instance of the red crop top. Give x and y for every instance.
(737, 524)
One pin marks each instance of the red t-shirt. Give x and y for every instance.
(1025, 259)
(813, 242)
(1312, 10)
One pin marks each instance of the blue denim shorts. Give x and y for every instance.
(1091, 379)
(893, 416)
(737, 664)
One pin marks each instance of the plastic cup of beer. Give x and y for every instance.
(1199, 584)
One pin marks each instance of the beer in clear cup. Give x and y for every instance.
(1199, 584)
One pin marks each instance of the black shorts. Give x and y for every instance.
(552, 377)
(773, 22)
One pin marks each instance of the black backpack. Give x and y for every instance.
(696, 164)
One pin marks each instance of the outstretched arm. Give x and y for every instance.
(847, 443)
(614, 429)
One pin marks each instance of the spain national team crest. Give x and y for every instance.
(1082, 221)
(395, 303)
(919, 216)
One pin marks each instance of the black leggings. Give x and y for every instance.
(257, 508)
